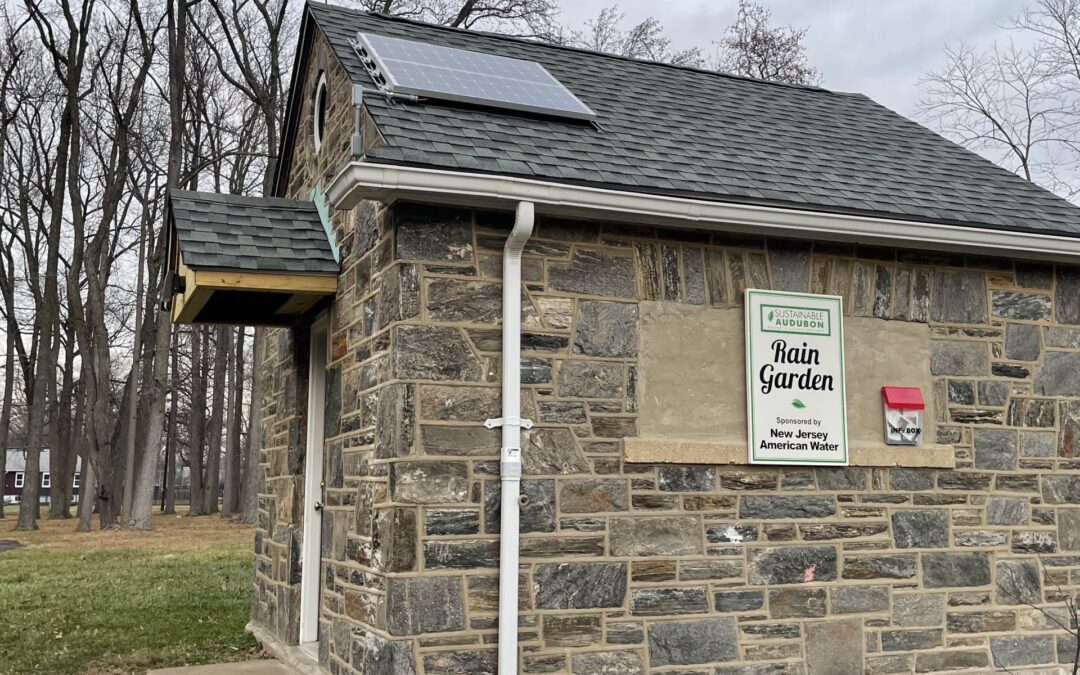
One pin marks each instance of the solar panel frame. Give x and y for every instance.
(463, 76)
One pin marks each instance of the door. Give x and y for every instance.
(310, 554)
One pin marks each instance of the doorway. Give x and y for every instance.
(310, 553)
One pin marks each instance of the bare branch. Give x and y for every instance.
(753, 48)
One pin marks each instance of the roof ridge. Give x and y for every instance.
(571, 48)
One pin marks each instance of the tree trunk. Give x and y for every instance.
(28, 506)
(68, 61)
(78, 448)
(61, 454)
(109, 467)
(252, 478)
(87, 494)
(5, 408)
(172, 471)
(230, 500)
(264, 90)
(133, 410)
(222, 351)
(80, 451)
(197, 417)
(153, 412)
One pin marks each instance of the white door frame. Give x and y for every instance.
(311, 553)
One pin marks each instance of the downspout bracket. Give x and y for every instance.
(523, 422)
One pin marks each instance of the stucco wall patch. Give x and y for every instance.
(692, 387)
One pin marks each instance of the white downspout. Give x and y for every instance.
(511, 422)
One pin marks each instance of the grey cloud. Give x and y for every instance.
(880, 49)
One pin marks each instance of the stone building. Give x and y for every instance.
(648, 542)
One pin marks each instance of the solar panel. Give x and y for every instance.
(410, 67)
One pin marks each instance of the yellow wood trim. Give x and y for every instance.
(182, 309)
(193, 302)
(305, 290)
(299, 303)
(264, 281)
(189, 277)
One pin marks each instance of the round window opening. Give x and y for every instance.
(321, 102)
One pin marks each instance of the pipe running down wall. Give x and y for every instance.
(512, 424)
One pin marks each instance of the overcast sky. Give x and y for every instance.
(876, 47)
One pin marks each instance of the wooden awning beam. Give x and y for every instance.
(299, 293)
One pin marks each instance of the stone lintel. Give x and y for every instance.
(688, 451)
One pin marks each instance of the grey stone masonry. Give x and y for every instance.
(634, 568)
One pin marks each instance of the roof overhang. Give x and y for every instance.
(293, 103)
(214, 296)
(249, 261)
(360, 180)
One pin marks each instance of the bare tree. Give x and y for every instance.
(10, 61)
(29, 109)
(121, 65)
(200, 349)
(176, 12)
(66, 43)
(222, 349)
(753, 48)
(20, 219)
(5, 407)
(171, 475)
(156, 334)
(254, 63)
(644, 40)
(999, 100)
(251, 478)
(1016, 104)
(155, 364)
(230, 496)
(65, 414)
(95, 150)
(535, 19)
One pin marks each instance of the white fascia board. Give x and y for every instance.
(361, 180)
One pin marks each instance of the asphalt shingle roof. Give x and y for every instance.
(259, 234)
(679, 131)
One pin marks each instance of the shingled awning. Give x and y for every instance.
(246, 260)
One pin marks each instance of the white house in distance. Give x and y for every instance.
(15, 477)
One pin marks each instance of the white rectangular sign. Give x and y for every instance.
(796, 412)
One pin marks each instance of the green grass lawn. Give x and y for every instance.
(123, 602)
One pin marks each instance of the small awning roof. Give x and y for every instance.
(257, 234)
(903, 398)
(246, 260)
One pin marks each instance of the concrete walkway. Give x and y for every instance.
(268, 667)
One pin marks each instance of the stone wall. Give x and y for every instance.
(632, 568)
(278, 539)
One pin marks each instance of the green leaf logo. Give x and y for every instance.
(770, 316)
(797, 404)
